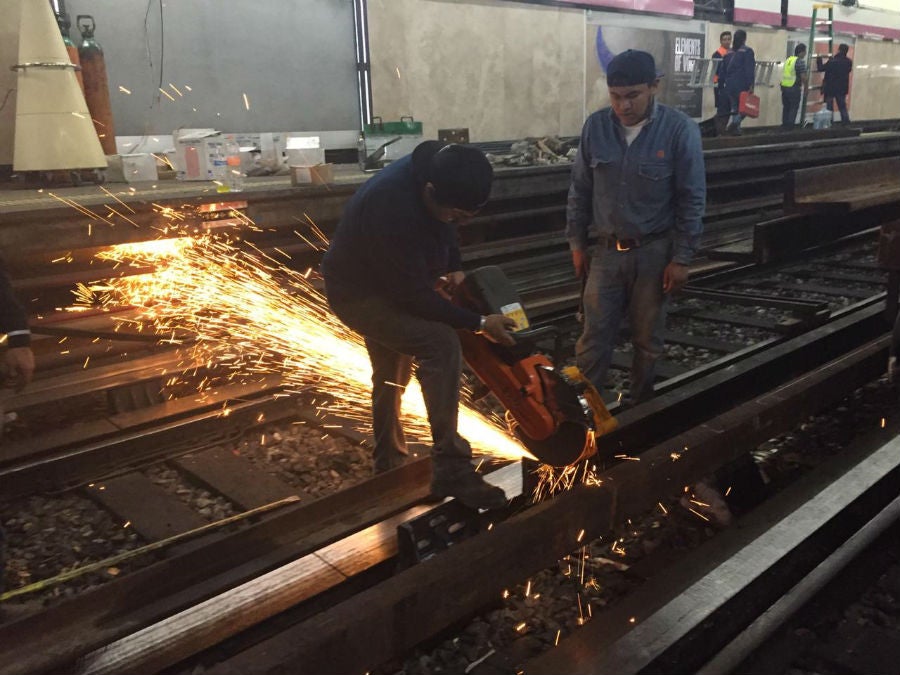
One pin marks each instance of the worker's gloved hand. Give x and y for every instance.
(581, 261)
(497, 327)
(19, 362)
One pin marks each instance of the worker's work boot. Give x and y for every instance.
(389, 460)
(468, 486)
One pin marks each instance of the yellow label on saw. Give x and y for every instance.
(517, 314)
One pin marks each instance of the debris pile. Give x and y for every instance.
(537, 151)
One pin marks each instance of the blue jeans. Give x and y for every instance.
(841, 104)
(734, 98)
(394, 339)
(621, 282)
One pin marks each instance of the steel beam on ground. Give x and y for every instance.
(60, 635)
(690, 629)
(386, 621)
(849, 186)
(798, 306)
(62, 459)
(682, 407)
(785, 237)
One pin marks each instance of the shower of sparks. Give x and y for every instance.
(553, 480)
(124, 90)
(246, 102)
(166, 94)
(236, 308)
(698, 514)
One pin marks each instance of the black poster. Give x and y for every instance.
(674, 52)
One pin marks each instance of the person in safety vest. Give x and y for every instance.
(793, 80)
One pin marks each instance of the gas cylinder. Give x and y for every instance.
(64, 25)
(96, 85)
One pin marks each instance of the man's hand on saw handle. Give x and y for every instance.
(497, 327)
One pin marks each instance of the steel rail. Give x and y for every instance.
(636, 422)
(384, 622)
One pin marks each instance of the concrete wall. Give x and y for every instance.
(875, 91)
(9, 52)
(502, 69)
(508, 70)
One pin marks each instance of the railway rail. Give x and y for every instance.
(846, 287)
(688, 404)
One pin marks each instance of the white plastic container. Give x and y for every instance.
(823, 119)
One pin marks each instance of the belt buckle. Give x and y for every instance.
(619, 246)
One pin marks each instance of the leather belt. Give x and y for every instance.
(610, 242)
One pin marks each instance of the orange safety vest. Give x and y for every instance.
(721, 51)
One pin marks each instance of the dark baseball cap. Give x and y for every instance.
(630, 68)
(461, 174)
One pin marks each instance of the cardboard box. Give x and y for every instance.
(133, 168)
(304, 151)
(319, 174)
(271, 146)
(196, 153)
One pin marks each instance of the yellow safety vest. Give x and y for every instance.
(790, 72)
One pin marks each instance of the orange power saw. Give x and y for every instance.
(556, 413)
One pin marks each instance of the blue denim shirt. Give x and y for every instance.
(648, 188)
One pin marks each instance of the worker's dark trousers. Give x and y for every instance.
(790, 106)
(620, 284)
(395, 339)
(841, 105)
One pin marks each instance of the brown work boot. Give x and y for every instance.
(468, 487)
(388, 461)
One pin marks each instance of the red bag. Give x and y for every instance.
(748, 104)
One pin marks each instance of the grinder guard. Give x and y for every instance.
(556, 414)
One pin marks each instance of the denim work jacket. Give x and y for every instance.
(646, 189)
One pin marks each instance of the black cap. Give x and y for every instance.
(461, 174)
(630, 68)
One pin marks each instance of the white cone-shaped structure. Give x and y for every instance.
(53, 126)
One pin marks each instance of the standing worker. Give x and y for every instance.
(397, 236)
(836, 85)
(639, 178)
(723, 107)
(793, 80)
(738, 69)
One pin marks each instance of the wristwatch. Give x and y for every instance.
(482, 324)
